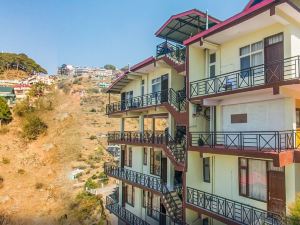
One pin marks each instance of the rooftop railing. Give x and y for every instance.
(265, 74)
(267, 141)
(236, 211)
(175, 52)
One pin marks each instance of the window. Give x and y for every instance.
(155, 158)
(206, 170)
(128, 157)
(274, 39)
(251, 56)
(298, 118)
(129, 194)
(253, 178)
(212, 65)
(145, 156)
(143, 87)
(153, 205)
(156, 85)
(144, 199)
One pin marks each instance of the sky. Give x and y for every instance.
(94, 32)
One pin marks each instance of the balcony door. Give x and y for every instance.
(164, 88)
(274, 55)
(276, 190)
(164, 169)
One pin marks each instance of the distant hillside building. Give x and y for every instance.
(9, 94)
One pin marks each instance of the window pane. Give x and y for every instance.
(258, 179)
(212, 58)
(298, 118)
(275, 39)
(257, 59)
(257, 46)
(212, 71)
(245, 50)
(206, 169)
(243, 182)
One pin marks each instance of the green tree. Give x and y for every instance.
(37, 90)
(109, 67)
(5, 113)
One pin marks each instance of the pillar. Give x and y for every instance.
(122, 125)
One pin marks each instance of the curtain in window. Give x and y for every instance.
(258, 179)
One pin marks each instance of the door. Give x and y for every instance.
(276, 189)
(162, 220)
(164, 169)
(123, 156)
(274, 55)
(124, 192)
(164, 88)
(123, 98)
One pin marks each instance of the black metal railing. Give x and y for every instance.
(174, 51)
(175, 98)
(127, 216)
(273, 141)
(176, 146)
(232, 210)
(274, 72)
(147, 181)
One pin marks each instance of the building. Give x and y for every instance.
(8, 94)
(21, 90)
(230, 94)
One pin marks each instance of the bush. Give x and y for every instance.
(5, 113)
(1, 182)
(93, 91)
(39, 186)
(93, 110)
(33, 127)
(295, 212)
(93, 137)
(77, 81)
(23, 108)
(37, 89)
(90, 184)
(5, 160)
(21, 171)
(4, 130)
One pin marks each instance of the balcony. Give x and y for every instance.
(230, 211)
(175, 148)
(176, 52)
(122, 213)
(177, 99)
(261, 141)
(266, 75)
(275, 145)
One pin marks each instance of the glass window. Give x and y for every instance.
(143, 87)
(206, 170)
(298, 118)
(253, 179)
(155, 159)
(153, 206)
(144, 199)
(156, 85)
(129, 194)
(274, 39)
(128, 157)
(212, 65)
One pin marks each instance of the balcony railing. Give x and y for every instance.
(173, 51)
(232, 210)
(265, 141)
(127, 216)
(176, 145)
(264, 74)
(147, 181)
(175, 98)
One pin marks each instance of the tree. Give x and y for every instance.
(37, 90)
(109, 67)
(5, 113)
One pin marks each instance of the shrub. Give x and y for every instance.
(4, 130)
(21, 171)
(93, 110)
(33, 127)
(39, 186)
(1, 182)
(5, 113)
(5, 160)
(37, 89)
(93, 91)
(93, 137)
(23, 108)
(90, 184)
(295, 212)
(77, 81)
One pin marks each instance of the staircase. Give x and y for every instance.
(176, 152)
(173, 204)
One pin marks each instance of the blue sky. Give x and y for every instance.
(93, 32)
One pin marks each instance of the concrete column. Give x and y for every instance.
(171, 125)
(153, 124)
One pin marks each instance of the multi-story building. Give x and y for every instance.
(231, 102)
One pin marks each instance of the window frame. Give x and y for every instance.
(298, 112)
(206, 166)
(247, 195)
(210, 64)
(152, 162)
(128, 156)
(154, 82)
